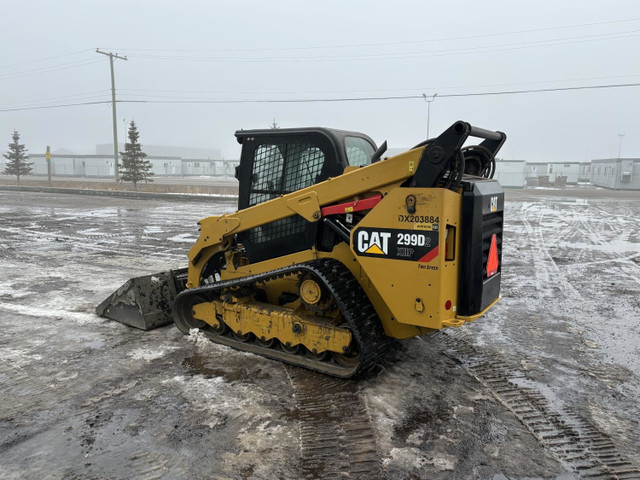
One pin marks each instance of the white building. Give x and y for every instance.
(548, 173)
(585, 172)
(616, 173)
(165, 166)
(571, 171)
(72, 165)
(510, 173)
(164, 151)
(536, 173)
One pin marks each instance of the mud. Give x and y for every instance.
(82, 397)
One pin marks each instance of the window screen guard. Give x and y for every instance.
(279, 169)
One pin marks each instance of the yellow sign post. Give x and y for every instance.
(48, 157)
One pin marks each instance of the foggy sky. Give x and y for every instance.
(293, 49)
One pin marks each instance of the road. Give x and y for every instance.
(545, 386)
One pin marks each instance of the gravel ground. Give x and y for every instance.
(86, 398)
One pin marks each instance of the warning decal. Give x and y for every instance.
(412, 245)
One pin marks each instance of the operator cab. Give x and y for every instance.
(276, 162)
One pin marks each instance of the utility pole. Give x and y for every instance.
(113, 109)
(433, 97)
(620, 135)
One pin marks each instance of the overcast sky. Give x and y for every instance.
(203, 51)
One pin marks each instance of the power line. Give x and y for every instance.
(84, 98)
(384, 44)
(541, 90)
(333, 100)
(153, 93)
(75, 96)
(37, 71)
(403, 55)
(45, 58)
(20, 109)
(391, 97)
(91, 95)
(318, 47)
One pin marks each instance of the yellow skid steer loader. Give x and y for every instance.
(334, 249)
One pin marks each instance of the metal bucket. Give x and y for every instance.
(144, 302)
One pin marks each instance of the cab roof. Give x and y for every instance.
(333, 134)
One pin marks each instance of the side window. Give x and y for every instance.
(283, 168)
(266, 177)
(359, 151)
(303, 166)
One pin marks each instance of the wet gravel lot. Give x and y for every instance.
(546, 386)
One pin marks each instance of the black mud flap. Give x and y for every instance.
(144, 302)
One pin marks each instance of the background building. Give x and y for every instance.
(73, 165)
(585, 172)
(511, 173)
(536, 173)
(548, 174)
(616, 173)
(164, 151)
(564, 173)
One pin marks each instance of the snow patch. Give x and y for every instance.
(19, 357)
(183, 238)
(147, 354)
(210, 195)
(206, 345)
(152, 229)
(11, 293)
(30, 311)
(412, 459)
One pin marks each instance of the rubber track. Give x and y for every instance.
(349, 296)
(575, 442)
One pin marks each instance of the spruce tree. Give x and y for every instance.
(134, 167)
(17, 158)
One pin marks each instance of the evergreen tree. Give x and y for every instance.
(17, 158)
(134, 167)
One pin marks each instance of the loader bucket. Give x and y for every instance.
(144, 302)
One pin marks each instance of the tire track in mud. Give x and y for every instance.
(149, 465)
(591, 234)
(627, 264)
(92, 420)
(337, 439)
(578, 444)
(547, 271)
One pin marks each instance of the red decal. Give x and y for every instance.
(430, 255)
(364, 204)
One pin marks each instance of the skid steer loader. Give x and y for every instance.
(334, 249)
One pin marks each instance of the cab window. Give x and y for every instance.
(283, 168)
(359, 151)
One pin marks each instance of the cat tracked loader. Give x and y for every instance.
(334, 250)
